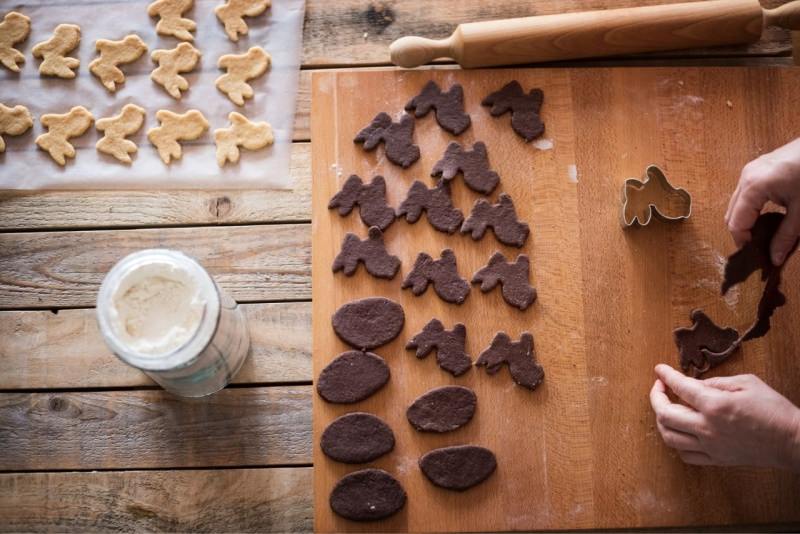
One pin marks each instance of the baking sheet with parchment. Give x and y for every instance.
(278, 31)
(582, 451)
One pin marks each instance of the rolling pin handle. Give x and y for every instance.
(786, 16)
(410, 52)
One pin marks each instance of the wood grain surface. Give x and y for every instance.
(581, 451)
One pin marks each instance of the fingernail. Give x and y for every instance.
(777, 258)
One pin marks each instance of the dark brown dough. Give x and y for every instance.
(369, 323)
(519, 356)
(442, 409)
(513, 277)
(397, 137)
(357, 438)
(367, 495)
(443, 273)
(371, 252)
(501, 218)
(437, 204)
(449, 106)
(524, 109)
(473, 164)
(451, 354)
(704, 345)
(458, 468)
(370, 199)
(352, 377)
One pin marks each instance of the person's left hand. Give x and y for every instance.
(736, 420)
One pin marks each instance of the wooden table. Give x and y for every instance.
(87, 443)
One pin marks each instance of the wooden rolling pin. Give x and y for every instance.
(599, 33)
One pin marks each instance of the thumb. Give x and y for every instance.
(786, 237)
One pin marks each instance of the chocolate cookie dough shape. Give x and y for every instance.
(704, 345)
(241, 133)
(370, 199)
(241, 68)
(171, 22)
(513, 277)
(397, 137)
(450, 345)
(13, 121)
(113, 54)
(231, 14)
(14, 29)
(500, 217)
(357, 438)
(352, 377)
(519, 356)
(449, 106)
(442, 273)
(436, 202)
(174, 127)
(442, 409)
(367, 495)
(371, 252)
(472, 164)
(654, 196)
(368, 323)
(182, 58)
(524, 109)
(458, 468)
(53, 52)
(116, 129)
(60, 128)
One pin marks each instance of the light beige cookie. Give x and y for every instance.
(182, 58)
(14, 29)
(171, 22)
(13, 121)
(53, 52)
(112, 54)
(241, 68)
(231, 15)
(116, 128)
(62, 127)
(242, 132)
(187, 127)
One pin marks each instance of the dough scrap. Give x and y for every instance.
(501, 218)
(519, 356)
(112, 54)
(449, 106)
(371, 252)
(14, 29)
(13, 121)
(458, 468)
(442, 273)
(352, 377)
(244, 133)
(397, 137)
(436, 202)
(53, 52)
(182, 58)
(242, 67)
(442, 409)
(450, 345)
(60, 128)
(370, 199)
(171, 22)
(231, 14)
(367, 495)
(524, 109)
(513, 277)
(368, 323)
(473, 164)
(174, 127)
(357, 438)
(116, 128)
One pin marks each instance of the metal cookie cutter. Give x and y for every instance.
(653, 196)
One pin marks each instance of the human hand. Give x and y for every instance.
(771, 177)
(736, 420)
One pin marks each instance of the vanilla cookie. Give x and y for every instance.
(53, 52)
(113, 53)
(116, 128)
(242, 132)
(182, 58)
(241, 68)
(187, 127)
(60, 128)
(13, 121)
(231, 14)
(14, 29)
(171, 22)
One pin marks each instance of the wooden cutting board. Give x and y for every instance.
(581, 451)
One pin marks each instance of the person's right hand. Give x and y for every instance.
(771, 177)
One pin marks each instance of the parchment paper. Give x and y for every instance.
(278, 31)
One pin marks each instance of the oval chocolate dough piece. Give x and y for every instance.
(352, 376)
(357, 438)
(442, 409)
(367, 495)
(369, 323)
(458, 468)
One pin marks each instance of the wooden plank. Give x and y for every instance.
(353, 32)
(224, 500)
(258, 426)
(251, 263)
(40, 349)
